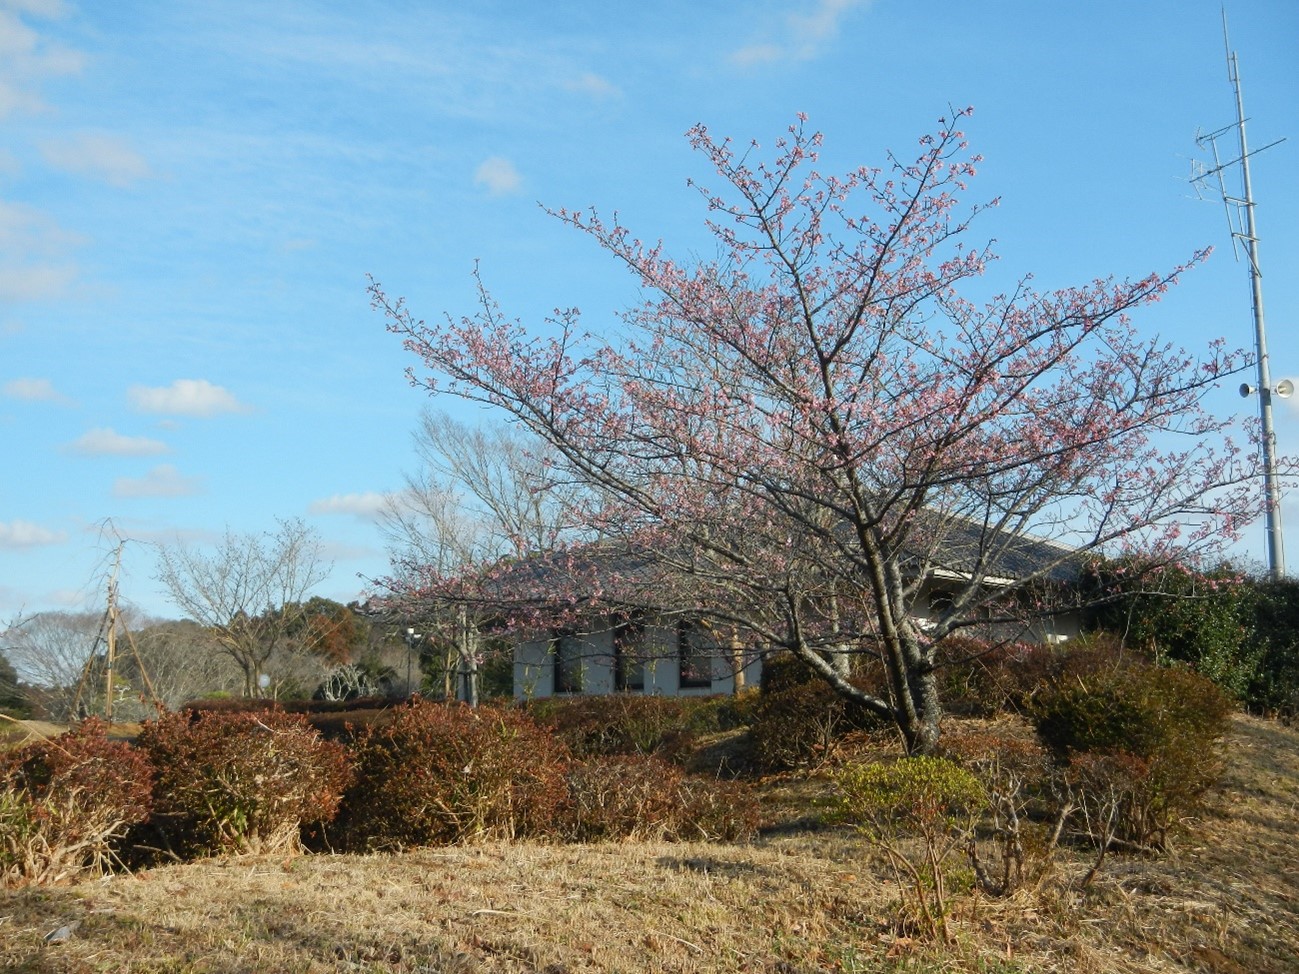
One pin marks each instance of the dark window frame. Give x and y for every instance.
(568, 670)
(688, 657)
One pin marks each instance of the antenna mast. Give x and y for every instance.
(1244, 211)
(108, 635)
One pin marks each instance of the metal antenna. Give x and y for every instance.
(1240, 220)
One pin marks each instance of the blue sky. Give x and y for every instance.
(192, 192)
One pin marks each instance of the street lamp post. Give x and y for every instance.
(413, 639)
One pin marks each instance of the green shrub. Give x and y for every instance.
(645, 798)
(232, 782)
(918, 811)
(438, 774)
(1274, 638)
(1160, 726)
(66, 803)
(1175, 614)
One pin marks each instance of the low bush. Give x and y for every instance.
(439, 774)
(625, 723)
(233, 782)
(66, 804)
(798, 718)
(1159, 729)
(982, 679)
(784, 671)
(645, 798)
(723, 811)
(919, 812)
(1010, 849)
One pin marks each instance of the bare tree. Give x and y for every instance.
(481, 493)
(183, 661)
(249, 592)
(50, 651)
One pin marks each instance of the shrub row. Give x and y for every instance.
(636, 723)
(439, 774)
(1117, 755)
(202, 783)
(66, 804)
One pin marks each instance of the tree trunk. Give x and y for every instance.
(737, 662)
(921, 727)
(467, 650)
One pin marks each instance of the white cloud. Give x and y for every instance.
(35, 390)
(26, 58)
(755, 54)
(162, 481)
(25, 228)
(498, 175)
(25, 534)
(185, 397)
(593, 85)
(802, 35)
(106, 442)
(365, 505)
(13, 100)
(99, 156)
(35, 283)
(45, 8)
(34, 254)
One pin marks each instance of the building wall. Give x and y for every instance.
(534, 660)
(535, 666)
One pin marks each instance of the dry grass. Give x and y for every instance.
(15, 733)
(799, 900)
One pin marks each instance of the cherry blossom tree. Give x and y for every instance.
(806, 430)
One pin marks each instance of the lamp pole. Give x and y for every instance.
(413, 639)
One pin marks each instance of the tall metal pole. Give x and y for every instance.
(1275, 541)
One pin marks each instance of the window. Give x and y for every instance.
(940, 602)
(567, 649)
(695, 656)
(628, 657)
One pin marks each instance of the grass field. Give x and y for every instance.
(800, 899)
